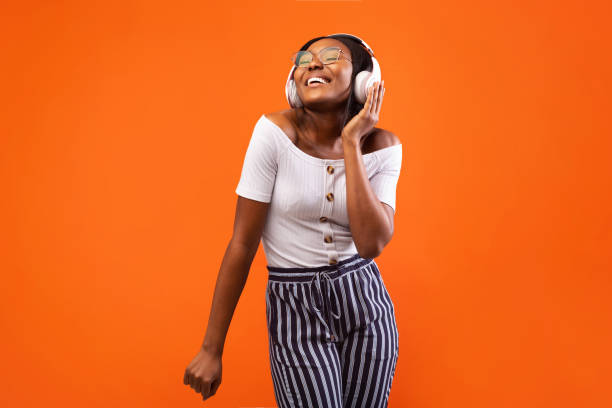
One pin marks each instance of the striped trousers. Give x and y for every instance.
(333, 337)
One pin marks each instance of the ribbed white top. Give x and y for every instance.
(297, 185)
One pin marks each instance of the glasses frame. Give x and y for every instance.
(341, 54)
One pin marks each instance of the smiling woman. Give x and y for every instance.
(317, 187)
(356, 53)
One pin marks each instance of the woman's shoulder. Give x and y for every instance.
(378, 138)
(284, 121)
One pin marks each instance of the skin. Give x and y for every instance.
(317, 129)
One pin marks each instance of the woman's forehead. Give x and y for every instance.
(328, 42)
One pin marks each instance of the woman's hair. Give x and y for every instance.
(361, 60)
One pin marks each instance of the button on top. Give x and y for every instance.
(333, 338)
(330, 169)
(330, 196)
(323, 219)
(333, 261)
(328, 238)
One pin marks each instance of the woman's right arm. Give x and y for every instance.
(249, 222)
(204, 372)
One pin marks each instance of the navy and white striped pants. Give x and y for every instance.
(333, 338)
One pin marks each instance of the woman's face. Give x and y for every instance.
(337, 75)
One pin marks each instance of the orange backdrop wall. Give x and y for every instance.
(123, 127)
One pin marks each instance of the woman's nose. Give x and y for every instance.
(315, 62)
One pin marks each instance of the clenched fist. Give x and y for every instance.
(203, 374)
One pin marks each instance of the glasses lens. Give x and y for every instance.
(326, 56)
(302, 58)
(329, 55)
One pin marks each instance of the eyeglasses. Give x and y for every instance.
(327, 55)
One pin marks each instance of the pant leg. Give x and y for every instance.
(305, 365)
(369, 350)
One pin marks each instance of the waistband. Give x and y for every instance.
(282, 274)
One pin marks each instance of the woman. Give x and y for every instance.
(318, 186)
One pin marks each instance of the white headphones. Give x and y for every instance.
(363, 80)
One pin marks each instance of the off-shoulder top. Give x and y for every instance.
(307, 223)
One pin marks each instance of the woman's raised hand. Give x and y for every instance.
(203, 374)
(364, 121)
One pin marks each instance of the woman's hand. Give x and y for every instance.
(203, 374)
(361, 124)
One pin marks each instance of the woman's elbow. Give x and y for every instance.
(371, 251)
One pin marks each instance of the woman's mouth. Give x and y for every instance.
(316, 82)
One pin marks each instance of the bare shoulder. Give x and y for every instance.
(379, 139)
(283, 120)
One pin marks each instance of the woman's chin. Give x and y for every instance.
(318, 95)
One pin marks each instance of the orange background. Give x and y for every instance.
(123, 130)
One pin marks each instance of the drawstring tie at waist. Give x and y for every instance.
(317, 281)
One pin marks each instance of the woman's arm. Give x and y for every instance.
(248, 226)
(370, 220)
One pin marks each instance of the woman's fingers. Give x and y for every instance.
(376, 88)
(203, 374)
(368, 103)
(197, 384)
(380, 97)
(205, 389)
(213, 388)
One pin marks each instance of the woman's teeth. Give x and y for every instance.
(316, 82)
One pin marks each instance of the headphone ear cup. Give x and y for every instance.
(365, 79)
(293, 98)
(291, 91)
(361, 86)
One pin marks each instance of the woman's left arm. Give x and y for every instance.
(370, 220)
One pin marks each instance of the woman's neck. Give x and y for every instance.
(321, 128)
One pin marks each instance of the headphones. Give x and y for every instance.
(363, 80)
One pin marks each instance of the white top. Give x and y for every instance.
(297, 186)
